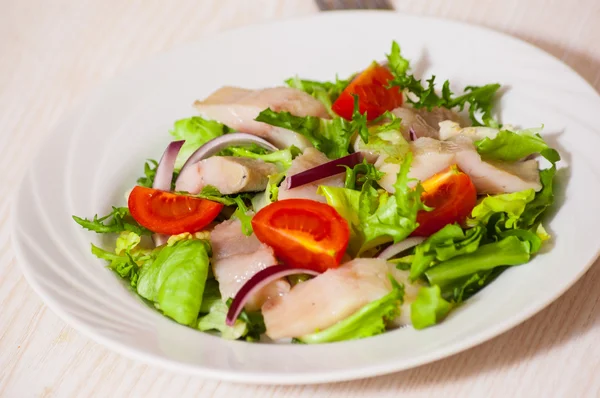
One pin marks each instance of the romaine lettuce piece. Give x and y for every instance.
(508, 251)
(448, 242)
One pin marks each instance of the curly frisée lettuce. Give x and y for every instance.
(330, 136)
(479, 98)
(118, 220)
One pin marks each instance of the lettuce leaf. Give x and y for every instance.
(370, 320)
(542, 201)
(387, 139)
(345, 201)
(270, 194)
(512, 204)
(326, 92)
(330, 136)
(449, 242)
(118, 220)
(215, 311)
(386, 217)
(128, 257)
(377, 217)
(283, 157)
(242, 213)
(196, 132)
(361, 173)
(511, 146)
(428, 308)
(149, 173)
(175, 280)
(508, 251)
(479, 98)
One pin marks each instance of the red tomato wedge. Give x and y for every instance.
(452, 195)
(167, 213)
(303, 233)
(374, 97)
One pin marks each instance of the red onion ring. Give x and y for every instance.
(399, 247)
(164, 177)
(412, 134)
(217, 144)
(164, 171)
(257, 282)
(324, 170)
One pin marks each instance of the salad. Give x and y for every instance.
(326, 211)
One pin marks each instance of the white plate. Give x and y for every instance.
(97, 152)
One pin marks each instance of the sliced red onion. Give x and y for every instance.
(164, 171)
(324, 170)
(399, 247)
(412, 134)
(257, 282)
(218, 144)
(164, 177)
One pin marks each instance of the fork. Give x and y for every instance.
(331, 5)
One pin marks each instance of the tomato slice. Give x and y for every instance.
(168, 213)
(303, 233)
(452, 195)
(374, 97)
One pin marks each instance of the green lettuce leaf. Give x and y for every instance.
(386, 217)
(282, 157)
(270, 194)
(128, 257)
(118, 220)
(215, 311)
(149, 173)
(345, 201)
(196, 132)
(361, 173)
(387, 139)
(508, 251)
(449, 242)
(242, 213)
(480, 99)
(473, 284)
(370, 320)
(428, 308)
(175, 280)
(542, 201)
(377, 217)
(512, 204)
(513, 146)
(326, 92)
(330, 136)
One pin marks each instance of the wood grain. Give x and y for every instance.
(53, 52)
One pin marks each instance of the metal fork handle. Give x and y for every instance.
(330, 5)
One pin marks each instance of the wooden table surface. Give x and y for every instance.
(53, 52)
